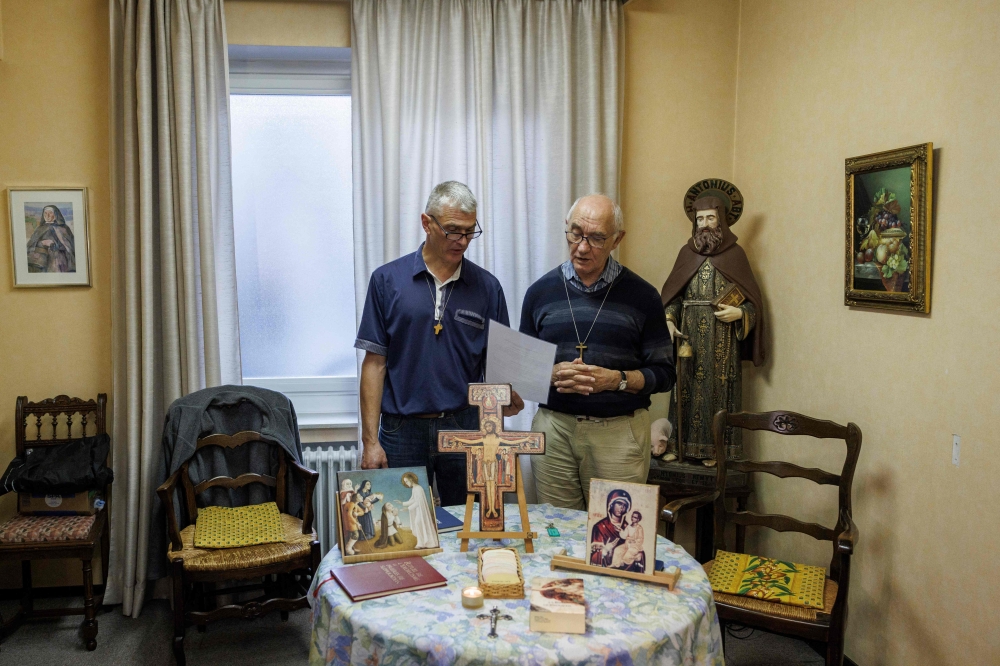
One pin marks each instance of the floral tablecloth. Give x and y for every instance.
(628, 622)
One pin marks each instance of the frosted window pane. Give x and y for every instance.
(294, 237)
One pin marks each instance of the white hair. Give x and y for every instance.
(451, 194)
(619, 217)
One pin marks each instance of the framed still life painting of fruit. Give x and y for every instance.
(888, 204)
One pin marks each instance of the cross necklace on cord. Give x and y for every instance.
(582, 344)
(437, 323)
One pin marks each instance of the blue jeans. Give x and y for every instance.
(410, 442)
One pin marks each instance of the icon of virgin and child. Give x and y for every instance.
(406, 521)
(616, 541)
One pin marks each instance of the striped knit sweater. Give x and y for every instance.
(629, 334)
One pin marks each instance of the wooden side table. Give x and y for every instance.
(684, 479)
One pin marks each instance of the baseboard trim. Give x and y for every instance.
(50, 592)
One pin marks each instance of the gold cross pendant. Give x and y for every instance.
(437, 328)
(581, 347)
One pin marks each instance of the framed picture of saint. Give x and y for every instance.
(889, 229)
(50, 236)
(385, 514)
(621, 525)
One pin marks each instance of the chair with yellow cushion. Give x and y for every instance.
(826, 625)
(196, 568)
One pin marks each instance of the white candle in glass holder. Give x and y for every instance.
(472, 597)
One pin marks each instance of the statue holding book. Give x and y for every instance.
(716, 316)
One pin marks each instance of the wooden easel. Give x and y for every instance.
(563, 561)
(491, 399)
(466, 532)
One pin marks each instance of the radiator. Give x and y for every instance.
(327, 461)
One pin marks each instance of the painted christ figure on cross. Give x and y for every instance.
(491, 458)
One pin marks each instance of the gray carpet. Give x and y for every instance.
(125, 641)
(146, 640)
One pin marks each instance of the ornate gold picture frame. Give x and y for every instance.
(888, 201)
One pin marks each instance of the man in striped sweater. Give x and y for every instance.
(613, 352)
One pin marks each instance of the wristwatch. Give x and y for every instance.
(624, 382)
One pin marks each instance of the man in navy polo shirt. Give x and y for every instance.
(424, 333)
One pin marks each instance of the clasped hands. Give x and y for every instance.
(579, 377)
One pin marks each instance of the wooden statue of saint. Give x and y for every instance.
(712, 301)
(491, 454)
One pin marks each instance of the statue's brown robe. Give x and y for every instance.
(712, 378)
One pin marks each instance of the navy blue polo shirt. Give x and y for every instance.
(427, 373)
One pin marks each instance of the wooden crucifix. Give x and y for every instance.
(491, 465)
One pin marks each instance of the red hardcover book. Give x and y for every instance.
(380, 579)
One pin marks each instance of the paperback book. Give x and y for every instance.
(558, 606)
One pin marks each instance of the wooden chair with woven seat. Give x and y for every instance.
(195, 571)
(825, 626)
(28, 537)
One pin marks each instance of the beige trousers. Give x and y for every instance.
(577, 450)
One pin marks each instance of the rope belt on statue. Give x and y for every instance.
(687, 303)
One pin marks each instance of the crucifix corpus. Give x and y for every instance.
(491, 465)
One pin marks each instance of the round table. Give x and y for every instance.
(628, 622)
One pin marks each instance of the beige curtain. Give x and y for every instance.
(175, 325)
(518, 99)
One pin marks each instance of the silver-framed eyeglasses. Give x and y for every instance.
(595, 241)
(458, 235)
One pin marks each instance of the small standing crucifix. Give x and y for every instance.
(494, 616)
(490, 453)
(580, 347)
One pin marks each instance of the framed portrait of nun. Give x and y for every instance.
(50, 236)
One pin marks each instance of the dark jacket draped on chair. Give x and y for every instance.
(224, 410)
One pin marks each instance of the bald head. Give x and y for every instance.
(593, 231)
(598, 209)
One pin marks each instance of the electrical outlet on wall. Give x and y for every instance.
(956, 441)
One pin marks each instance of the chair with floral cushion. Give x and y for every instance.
(30, 537)
(821, 625)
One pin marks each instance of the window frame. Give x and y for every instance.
(320, 402)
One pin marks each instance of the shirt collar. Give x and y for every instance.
(420, 266)
(611, 270)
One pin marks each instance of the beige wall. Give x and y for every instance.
(680, 96)
(820, 82)
(280, 23)
(53, 132)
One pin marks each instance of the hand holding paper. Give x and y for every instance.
(520, 360)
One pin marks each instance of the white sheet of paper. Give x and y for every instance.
(520, 360)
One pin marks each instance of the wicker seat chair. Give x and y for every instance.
(195, 571)
(28, 538)
(824, 626)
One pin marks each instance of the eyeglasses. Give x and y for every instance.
(458, 235)
(594, 241)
